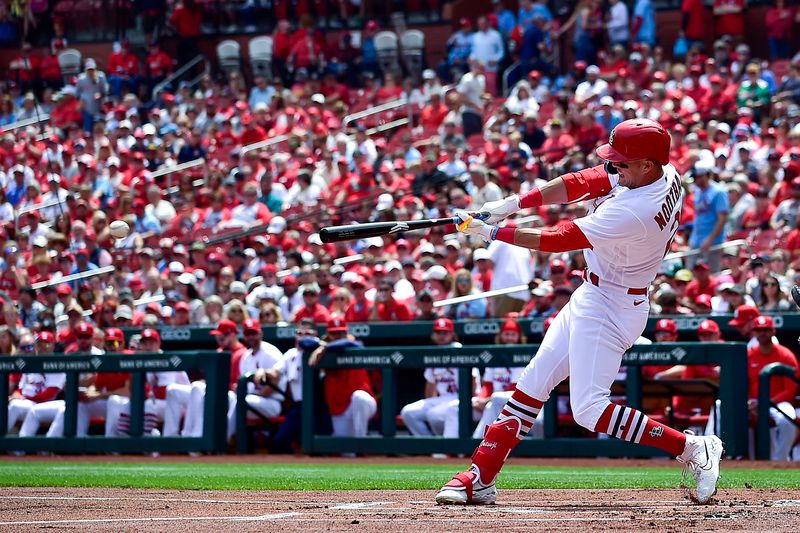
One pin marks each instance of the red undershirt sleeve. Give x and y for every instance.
(566, 238)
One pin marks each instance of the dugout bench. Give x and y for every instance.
(214, 365)
(731, 357)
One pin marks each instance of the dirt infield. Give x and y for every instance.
(516, 510)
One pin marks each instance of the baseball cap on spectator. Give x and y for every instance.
(224, 327)
(151, 334)
(666, 324)
(763, 322)
(84, 330)
(90, 64)
(684, 275)
(480, 254)
(74, 307)
(123, 311)
(393, 265)
(176, 267)
(707, 326)
(358, 281)
(593, 69)
(186, 278)
(311, 288)
(250, 325)
(436, 272)
(511, 325)
(181, 307)
(606, 101)
(731, 287)
(385, 202)
(428, 74)
(276, 225)
(743, 315)
(701, 265)
(215, 257)
(237, 287)
(452, 243)
(152, 308)
(724, 128)
(289, 280)
(376, 242)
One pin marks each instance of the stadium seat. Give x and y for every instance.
(413, 45)
(69, 61)
(228, 56)
(386, 48)
(259, 50)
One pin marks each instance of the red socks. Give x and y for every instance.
(634, 426)
(514, 422)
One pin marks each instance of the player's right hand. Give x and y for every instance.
(500, 209)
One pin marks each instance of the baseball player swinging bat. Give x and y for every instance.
(376, 229)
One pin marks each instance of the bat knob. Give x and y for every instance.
(325, 236)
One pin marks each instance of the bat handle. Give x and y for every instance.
(482, 215)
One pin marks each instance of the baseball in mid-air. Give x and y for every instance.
(119, 229)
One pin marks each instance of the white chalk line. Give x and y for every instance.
(297, 517)
(362, 505)
(274, 516)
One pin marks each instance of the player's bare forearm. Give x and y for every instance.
(528, 238)
(554, 192)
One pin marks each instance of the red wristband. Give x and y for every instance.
(531, 198)
(505, 235)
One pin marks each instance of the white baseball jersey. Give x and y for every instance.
(502, 378)
(631, 229)
(32, 384)
(266, 357)
(290, 367)
(162, 379)
(445, 379)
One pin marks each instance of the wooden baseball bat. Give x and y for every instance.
(376, 229)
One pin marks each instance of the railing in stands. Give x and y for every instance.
(180, 72)
(44, 117)
(388, 106)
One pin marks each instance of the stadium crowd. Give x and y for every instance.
(107, 152)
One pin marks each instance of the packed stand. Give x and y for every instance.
(190, 258)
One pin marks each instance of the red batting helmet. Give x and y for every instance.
(637, 138)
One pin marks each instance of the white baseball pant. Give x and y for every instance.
(585, 342)
(781, 436)
(17, 409)
(451, 419)
(427, 416)
(178, 396)
(195, 411)
(40, 413)
(492, 410)
(121, 405)
(86, 410)
(353, 422)
(268, 407)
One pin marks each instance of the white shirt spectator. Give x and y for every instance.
(163, 211)
(453, 168)
(488, 193)
(487, 47)
(587, 89)
(50, 213)
(471, 87)
(512, 266)
(259, 96)
(618, 31)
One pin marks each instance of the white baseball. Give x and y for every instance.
(119, 229)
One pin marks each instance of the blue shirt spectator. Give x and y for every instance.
(529, 50)
(528, 10)
(505, 19)
(644, 17)
(459, 46)
(710, 200)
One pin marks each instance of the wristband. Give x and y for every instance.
(504, 234)
(532, 198)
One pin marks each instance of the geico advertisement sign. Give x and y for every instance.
(176, 334)
(356, 330)
(481, 328)
(692, 322)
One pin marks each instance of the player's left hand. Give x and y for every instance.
(473, 226)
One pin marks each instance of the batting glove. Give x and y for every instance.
(473, 226)
(500, 209)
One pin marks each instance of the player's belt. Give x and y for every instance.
(592, 278)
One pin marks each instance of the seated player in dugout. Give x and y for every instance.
(635, 210)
